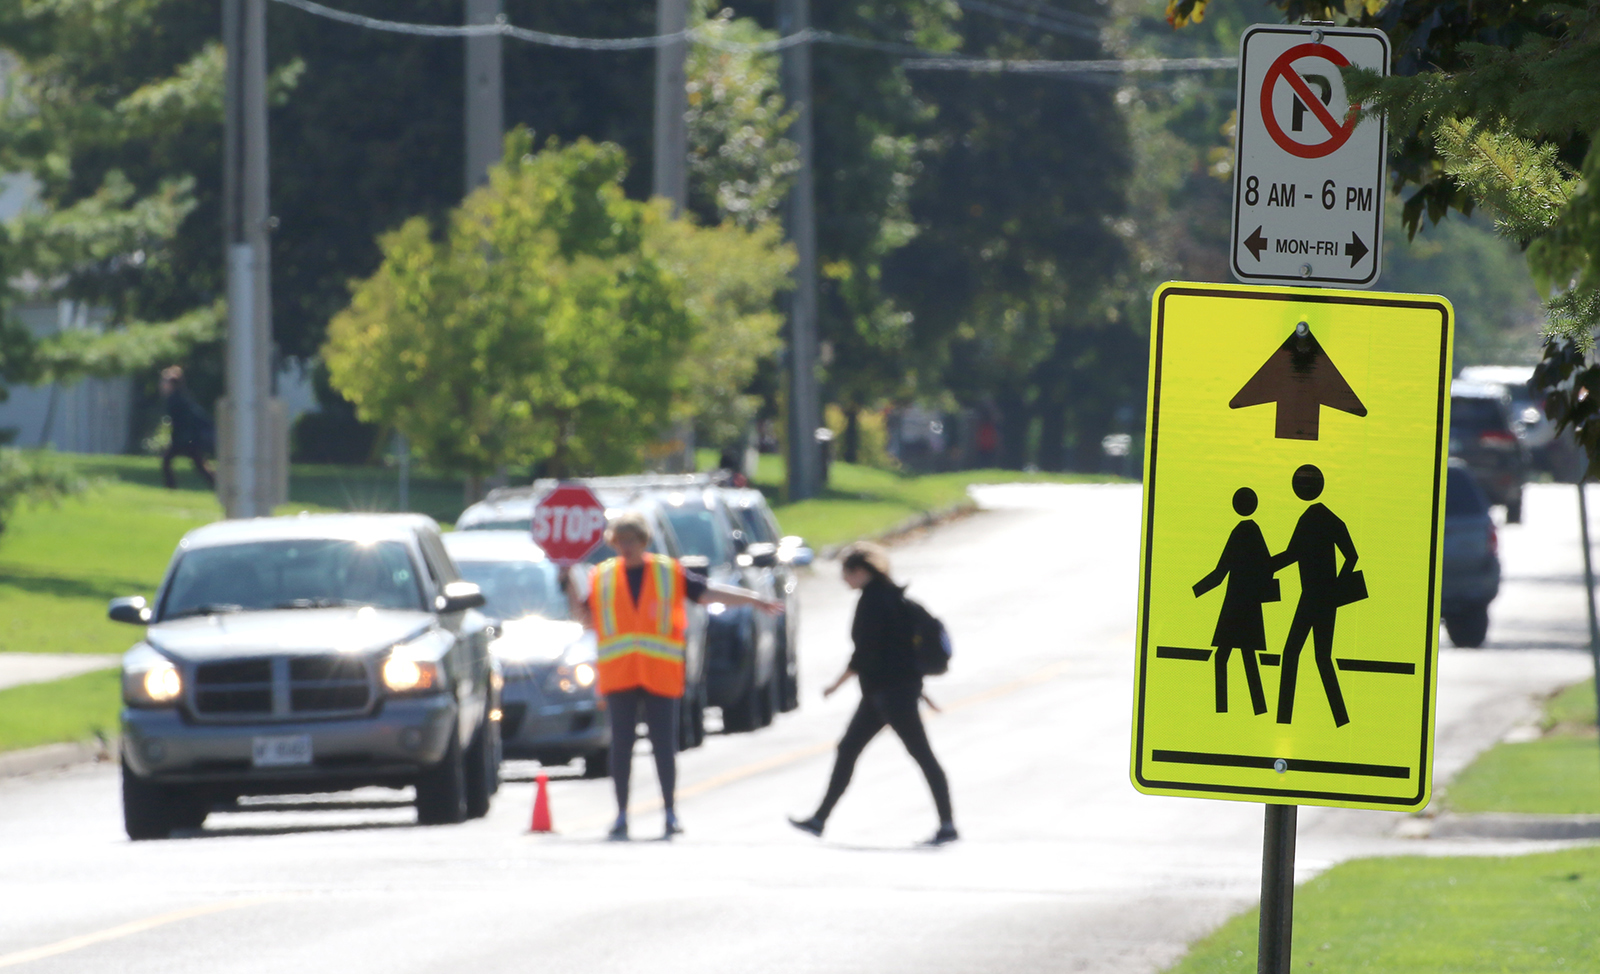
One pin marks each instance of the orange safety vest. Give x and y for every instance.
(641, 643)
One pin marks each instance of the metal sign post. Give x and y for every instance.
(1276, 932)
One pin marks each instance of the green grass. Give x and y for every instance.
(1557, 774)
(1461, 915)
(863, 501)
(74, 709)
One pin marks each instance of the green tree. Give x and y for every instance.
(538, 329)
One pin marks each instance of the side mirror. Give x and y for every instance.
(741, 544)
(762, 555)
(131, 609)
(459, 597)
(695, 563)
(792, 550)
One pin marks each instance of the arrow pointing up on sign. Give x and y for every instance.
(1301, 379)
(1355, 249)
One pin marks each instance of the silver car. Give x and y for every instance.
(551, 712)
(307, 654)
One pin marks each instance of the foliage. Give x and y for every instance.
(538, 329)
(1514, 914)
(34, 476)
(729, 278)
(740, 163)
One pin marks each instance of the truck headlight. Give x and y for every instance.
(150, 679)
(402, 674)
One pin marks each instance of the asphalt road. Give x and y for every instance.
(1062, 867)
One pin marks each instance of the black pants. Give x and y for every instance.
(1318, 624)
(194, 453)
(896, 707)
(661, 715)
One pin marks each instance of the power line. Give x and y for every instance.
(922, 59)
(1128, 66)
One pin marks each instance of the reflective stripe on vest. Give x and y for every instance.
(641, 642)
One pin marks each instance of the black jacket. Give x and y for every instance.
(884, 655)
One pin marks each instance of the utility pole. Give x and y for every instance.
(485, 96)
(252, 460)
(670, 175)
(805, 407)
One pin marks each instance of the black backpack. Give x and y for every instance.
(930, 640)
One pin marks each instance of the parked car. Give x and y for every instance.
(767, 550)
(307, 654)
(1481, 436)
(510, 509)
(744, 674)
(550, 711)
(1471, 569)
(1558, 454)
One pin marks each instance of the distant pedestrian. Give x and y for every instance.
(885, 666)
(636, 604)
(191, 432)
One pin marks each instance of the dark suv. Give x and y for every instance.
(1481, 435)
(1471, 560)
(296, 655)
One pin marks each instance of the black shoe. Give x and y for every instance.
(946, 834)
(673, 828)
(619, 831)
(812, 825)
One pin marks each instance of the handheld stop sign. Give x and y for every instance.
(569, 523)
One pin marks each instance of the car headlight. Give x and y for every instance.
(150, 679)
(414, 667)
(578, 669)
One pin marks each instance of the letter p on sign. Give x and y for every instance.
(569, 523)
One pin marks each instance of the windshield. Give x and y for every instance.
(1462, 496)
(755, 526)
(697, 532)
(1467, 412)
(303, 573)
(515, 589)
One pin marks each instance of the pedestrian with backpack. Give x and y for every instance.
(892, 638)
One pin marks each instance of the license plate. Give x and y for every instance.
(283, 751)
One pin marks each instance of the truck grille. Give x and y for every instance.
(282, 687)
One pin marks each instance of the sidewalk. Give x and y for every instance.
(19, 668)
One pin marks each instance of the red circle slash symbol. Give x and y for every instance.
(1338, 134)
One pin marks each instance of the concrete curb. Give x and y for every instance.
(911, 525)
(1505, 825)
(54, 757)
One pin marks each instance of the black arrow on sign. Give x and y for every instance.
(1255, 243)
(1355, 249)
(1301, 379)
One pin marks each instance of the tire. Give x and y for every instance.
(1514, 509)
(442, 789)
(692, 719)
(1468, 627)
(147, 808)
(789, 699)
(772, 696)
(745, 716)
(597, 763)
(482, 767)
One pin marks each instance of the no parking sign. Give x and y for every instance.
(1308, 188)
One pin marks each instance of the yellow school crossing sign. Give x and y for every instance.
(1293, 515)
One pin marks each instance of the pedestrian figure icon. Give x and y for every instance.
(1319, 538)
(1246, 563)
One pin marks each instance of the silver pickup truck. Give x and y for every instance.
(308, 654)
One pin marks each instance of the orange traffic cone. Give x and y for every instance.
(541, 807)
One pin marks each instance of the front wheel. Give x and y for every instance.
(442, 789)
(1514, 509)
(149, 810)
(483, 769)
(1468, 627)
(597, 763)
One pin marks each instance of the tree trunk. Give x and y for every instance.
(1052, 433)
(1014, 418)
(852, 435)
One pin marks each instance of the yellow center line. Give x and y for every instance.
(126, 930)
